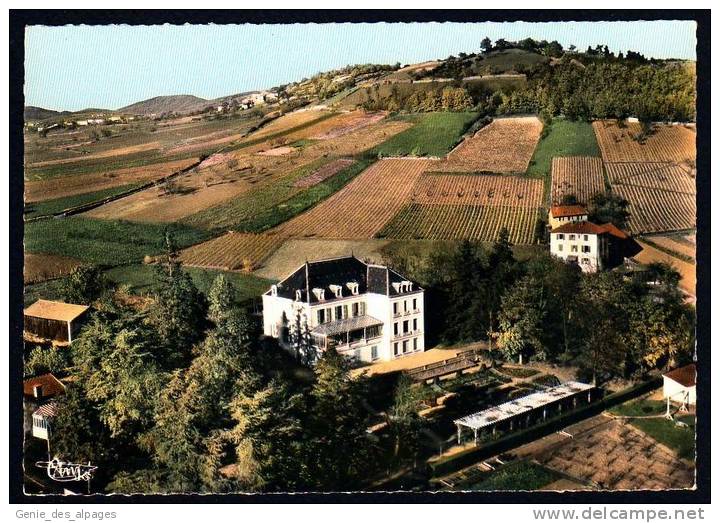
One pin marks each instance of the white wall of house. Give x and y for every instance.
(407, 333)
(273, 309)
(41, 427)
(678, 393)
(590, 249)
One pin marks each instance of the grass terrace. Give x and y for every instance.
(562, 138)
(434, 134)
(105, 242)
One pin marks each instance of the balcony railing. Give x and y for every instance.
(401, 335)
(405, 313)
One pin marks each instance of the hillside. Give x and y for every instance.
(182, 103)
(38, 113)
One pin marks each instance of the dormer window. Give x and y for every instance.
(337, 289)
(396, 286)
(273, 290)
(354, 287)
(319, 293)
(298, 295)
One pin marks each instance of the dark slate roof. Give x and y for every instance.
(339, 271)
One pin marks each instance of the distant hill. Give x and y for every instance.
(181, 104)
(38, 113)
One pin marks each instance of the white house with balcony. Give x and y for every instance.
(366, 312)
(590, 246)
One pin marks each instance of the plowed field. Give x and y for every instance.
(581, 176)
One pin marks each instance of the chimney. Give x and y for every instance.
(37, 391)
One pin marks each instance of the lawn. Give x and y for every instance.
(142, 279)
(49, 207)
(563, 138)
(104, 242)
(680, 439)
(434, 134)
(522, 475)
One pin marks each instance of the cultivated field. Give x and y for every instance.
(102, 149)
(235, 174)
(504, 146)
(347, 123)
(60, 187)
(581, 176)
(456, 222)
(272, 179)
(650, 254)
(668, 177)
(190, 193)
(675, 243)
(362, 208)
(357, 211)
(655, 210)
(278, 151)
(232, 251)
(286, 123)
(667, 143)
(41, 267)
(323, 173)
(477, 189)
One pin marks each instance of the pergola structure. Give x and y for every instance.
(522, 411)
(347, 331)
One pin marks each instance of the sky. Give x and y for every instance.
(108, 67)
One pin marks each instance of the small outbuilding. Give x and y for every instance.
(54, 320)
(679, 387)
(40, 393)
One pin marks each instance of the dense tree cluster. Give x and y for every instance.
(192, 398)
(456, 99)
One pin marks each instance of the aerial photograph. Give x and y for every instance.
(359, 257)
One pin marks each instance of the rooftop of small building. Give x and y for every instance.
(586, 227)
(55, 310)
(51, 386)
(561, 211)
(685, 376)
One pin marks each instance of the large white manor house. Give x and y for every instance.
(367, 312)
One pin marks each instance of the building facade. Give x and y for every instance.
(366, 312)
(562, 214)
(593, 247)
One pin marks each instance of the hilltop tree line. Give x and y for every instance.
(596, 84)
(608, 325)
